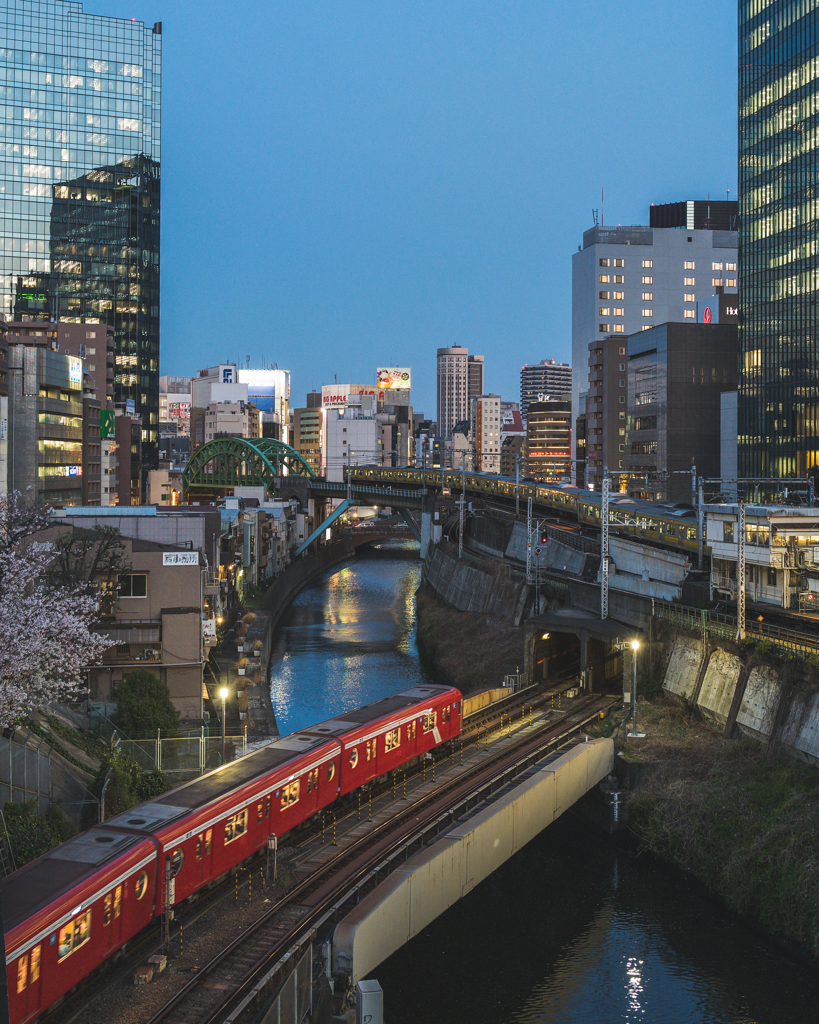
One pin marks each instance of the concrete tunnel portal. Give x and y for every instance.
(576, 648)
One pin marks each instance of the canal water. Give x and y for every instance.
(572, 930)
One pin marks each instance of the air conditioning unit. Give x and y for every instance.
(151, 652)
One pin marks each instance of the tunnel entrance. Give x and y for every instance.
(556, 656)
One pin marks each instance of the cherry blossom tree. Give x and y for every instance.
(46, 627)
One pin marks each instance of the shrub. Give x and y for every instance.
(249, 617)
(127, 785)
(144, 705)
(242, 630)
(765, 647)
(32, 834)
(243, 662)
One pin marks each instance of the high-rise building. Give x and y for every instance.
(630, 278)
(545, 379)
(606, 408)
(460, 379)
(81, 184)
(549, 440)
(485, 432)
(778, 407)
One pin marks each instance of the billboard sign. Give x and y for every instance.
(130, 407)
(106, 423)
(396, 378)
(180, 558)
(75, 371)
(334, 396)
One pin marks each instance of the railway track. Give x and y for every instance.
(228, 983)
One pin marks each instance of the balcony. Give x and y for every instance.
(133, 654)
(723, 583)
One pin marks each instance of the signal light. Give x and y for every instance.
(544, 538)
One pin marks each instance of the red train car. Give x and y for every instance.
(387, 734)
(213, 823)
(68, 911)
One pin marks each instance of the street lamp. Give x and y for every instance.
(635, 647)
(223, 693)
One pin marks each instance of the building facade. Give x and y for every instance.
(308, 427)
(606, 408)
(485, 431)
(231, 419)
(549, 441)
(460, 379)
(82, 126)
(352, 436)
(629, 278)
(778, 407)
(676, 375)
(547, 378)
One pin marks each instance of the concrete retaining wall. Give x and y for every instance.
(468, 588)
(799, 733)
(432, 881)
(684, 667)
(760, 702)
(719, 685)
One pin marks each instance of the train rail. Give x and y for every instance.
(226, 986)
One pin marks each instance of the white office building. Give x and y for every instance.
(460, 379)
(485, 431)
(628, 278)
(352, 436)
(546, 379)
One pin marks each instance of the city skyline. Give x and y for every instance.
(399, 182)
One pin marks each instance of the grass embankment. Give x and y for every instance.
(466, 649)
(745, 824)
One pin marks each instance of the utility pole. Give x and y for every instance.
(741, 572)
(462, 504)
(529, 540)
(700, 525)
(604, 549)
(517, 485)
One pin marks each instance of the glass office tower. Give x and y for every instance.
(778, 404)
(79, 183)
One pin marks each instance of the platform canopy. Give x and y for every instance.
(221, 465)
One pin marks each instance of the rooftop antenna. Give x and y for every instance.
(602, 208)
(594, 216)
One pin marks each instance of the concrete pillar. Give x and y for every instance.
(427, 525)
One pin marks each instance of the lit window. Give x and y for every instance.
(689, 265)
(715, 266)
(429, 721)
(689, 297)
(648, 263)
(689, 314)
(618, 329)
(177, 860)
(605, 263)
(604, 311)
(141, 885)
(392, 739)
(619, 295)
(619, 263)
(604, 328)
(689, 282)
(648, 312)
(730, 282)
(648, 296)
(621, 351)
(604, 279)
(646, 327)
(730, 266)
(648, 280)
(22, 973)
(716, 282)
(73, 935)
(35, 964)
(604, 296)
(619, 311)
(236, 825)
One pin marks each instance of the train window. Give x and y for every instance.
(208, 837)
(177, 860)
(353, 758)
(73, 935)
(35, 964)
(117, 901)
(259, 810)
(392, 739)
(430, 721)
(141, 886)
(200, 846)
(331, 771)
(236, 825)
(106, 910)
(411, 730)
(290, 793)
(312, 780)
(371, 748)
(267, 806)
(455, 706)
(22, 973)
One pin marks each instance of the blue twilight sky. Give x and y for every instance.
(348, 183)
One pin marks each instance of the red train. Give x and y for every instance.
(68, 911)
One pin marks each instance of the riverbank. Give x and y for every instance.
(743, 822)
(469, 650)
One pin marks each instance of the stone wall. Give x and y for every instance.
(471, 584)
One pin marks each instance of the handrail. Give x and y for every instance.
(716, 624)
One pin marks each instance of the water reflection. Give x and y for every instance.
(348, 639)
(571, 931)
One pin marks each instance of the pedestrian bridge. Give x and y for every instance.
(464, 855)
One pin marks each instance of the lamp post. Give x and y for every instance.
(223, 692)
(635, 647)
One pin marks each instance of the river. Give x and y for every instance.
(572, 930)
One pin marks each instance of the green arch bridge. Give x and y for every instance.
(227, 462)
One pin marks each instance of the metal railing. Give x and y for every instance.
(724, 627)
